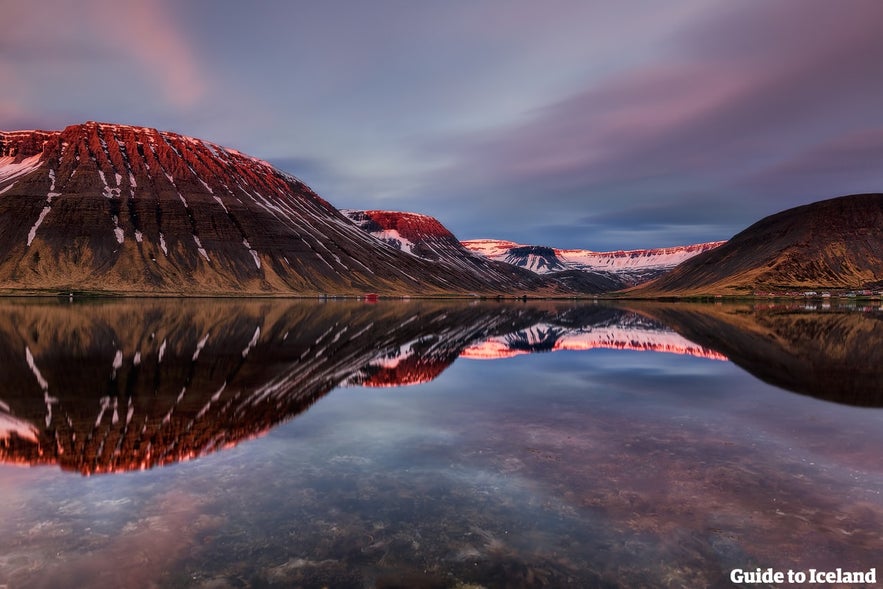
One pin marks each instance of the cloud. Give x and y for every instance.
(729, 98)
(147, 32)
(95, 53)
(853, 159)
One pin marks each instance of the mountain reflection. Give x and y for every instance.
(125, 385)
(832, 353)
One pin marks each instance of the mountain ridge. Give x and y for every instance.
(105, 207)
(628, 267)
(426, 237)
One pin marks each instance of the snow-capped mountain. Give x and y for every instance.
(628, 266)
(115, 208)
(425, 237)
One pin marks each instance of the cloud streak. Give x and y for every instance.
(708, 122)
(92, 54)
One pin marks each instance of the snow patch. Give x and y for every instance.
(201, 249)
(117, 230)
(33, 232)
(254, 254)
(10, 170)
(220, 202)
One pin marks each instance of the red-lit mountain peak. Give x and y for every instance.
(105, 207)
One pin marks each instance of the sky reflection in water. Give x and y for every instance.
(596, 468)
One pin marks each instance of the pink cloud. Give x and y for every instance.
(147, 32)
(84, 43)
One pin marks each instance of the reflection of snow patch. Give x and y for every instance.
(10, 426)
(33, 366)
(199, 347)
(253, 342)
(117, 363)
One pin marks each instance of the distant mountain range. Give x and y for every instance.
(116, 209)
(629, 267)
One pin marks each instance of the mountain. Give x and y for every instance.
(831, 244)
(425, 237)
(623, 267)
(121, 209)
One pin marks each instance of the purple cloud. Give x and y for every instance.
(727, 100)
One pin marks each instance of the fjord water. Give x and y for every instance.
(428, 444)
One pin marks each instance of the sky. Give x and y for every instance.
(581, 124)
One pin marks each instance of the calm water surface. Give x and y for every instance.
(265, 444)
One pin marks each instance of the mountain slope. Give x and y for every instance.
(623, 267)
(425, 237)
(835, 243)
(103, 207)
